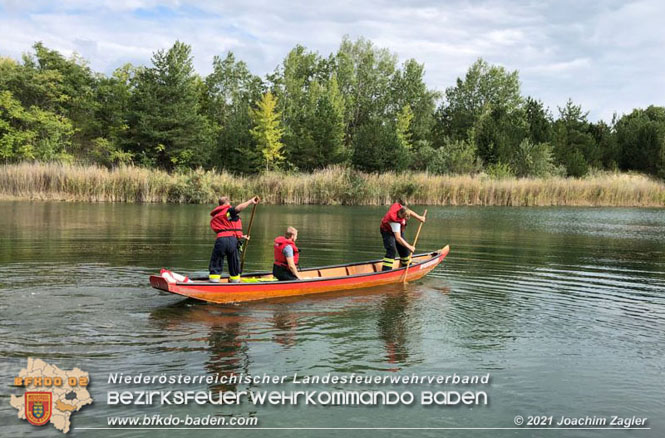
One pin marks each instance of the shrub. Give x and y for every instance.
(531, 159)
(455, 157)
(499, 171)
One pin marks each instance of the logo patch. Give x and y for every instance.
(38, 407)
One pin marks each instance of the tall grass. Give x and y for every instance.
(335, 185)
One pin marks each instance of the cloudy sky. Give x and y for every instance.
(606, 55)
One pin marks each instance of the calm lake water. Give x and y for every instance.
(565, 308)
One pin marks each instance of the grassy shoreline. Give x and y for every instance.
(332, 186)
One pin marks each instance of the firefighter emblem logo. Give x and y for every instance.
(38, 407)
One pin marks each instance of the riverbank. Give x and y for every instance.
(332, 186)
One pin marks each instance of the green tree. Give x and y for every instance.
(327, 126)
(377, 148)
(364, 74)
(534, 160)
(313, 108)
(455, 157)
(166, 126)
(325, 102)
(606, 139)
(29, 134)
(297, 85)
(497, 133)
(57, 85)
(355, 106)
(403, 125)
(574, 147)
(408, 88)
(486, 107)
(539, 121)
(267, 131)
(422, 155)
(484, 88)
(113, 96)
(641, 140)
(377, 94)
(231, 89)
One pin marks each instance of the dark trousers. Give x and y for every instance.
(225, 247)
(282, 273)
(393, 248)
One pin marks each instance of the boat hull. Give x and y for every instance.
(242, 292)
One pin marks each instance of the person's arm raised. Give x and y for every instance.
(244, 205)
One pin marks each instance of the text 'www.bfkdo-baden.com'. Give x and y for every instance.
(175, 421)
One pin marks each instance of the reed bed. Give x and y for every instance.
(332, 186)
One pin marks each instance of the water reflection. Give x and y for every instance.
(393, 326)
(565, 307)
(228, 352)
(285, 324)
(225, 335)
(228, 330)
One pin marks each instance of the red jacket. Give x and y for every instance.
(391, 216)
(280, 243)
(222, 224)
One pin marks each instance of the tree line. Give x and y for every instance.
(358, 107)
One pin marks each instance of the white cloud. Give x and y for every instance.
(575, 65)
(605, 55)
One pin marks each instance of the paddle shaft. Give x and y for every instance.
(415, 242)
(249, 230)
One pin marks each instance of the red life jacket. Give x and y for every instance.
(222, 224)
(391, 216)
(282, 242)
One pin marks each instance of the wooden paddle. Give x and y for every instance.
(249, 230)
(415, 241)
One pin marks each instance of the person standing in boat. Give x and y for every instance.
(392, 231)
(228, 226)
(287, 255)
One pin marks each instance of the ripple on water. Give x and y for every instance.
(565, 308)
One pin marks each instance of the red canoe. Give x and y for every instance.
(262, 285)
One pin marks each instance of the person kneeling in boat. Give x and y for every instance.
(392, 231)
(228, 226)
(287, 254)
